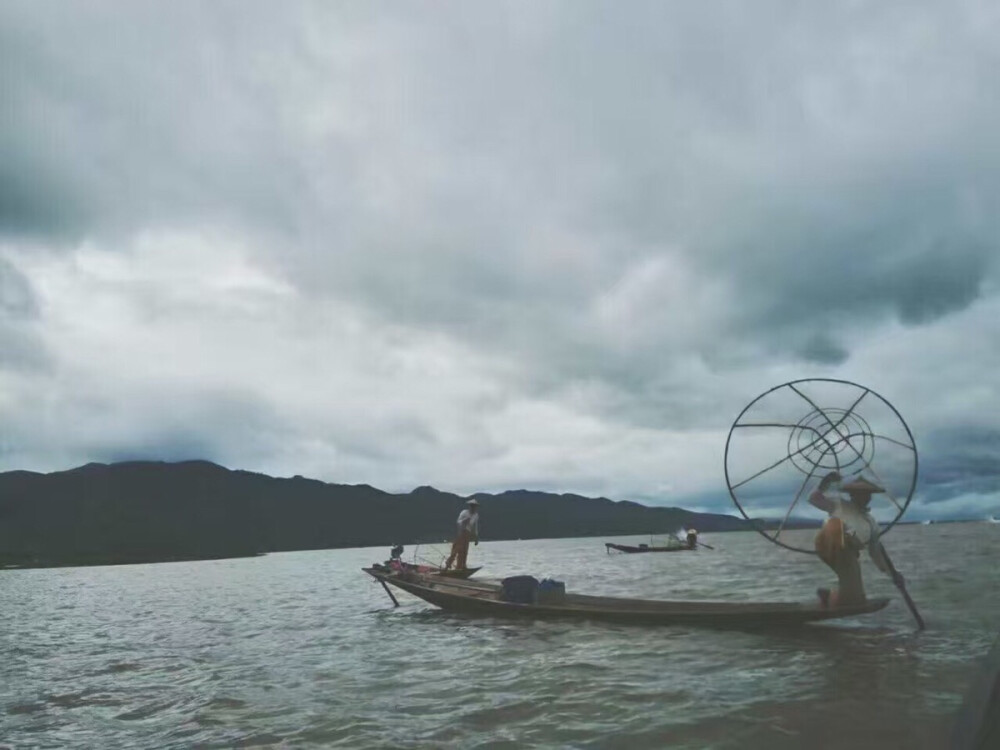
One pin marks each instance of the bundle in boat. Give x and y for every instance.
(529, 590)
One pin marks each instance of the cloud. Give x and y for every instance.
(559, 245)
(19, 347)
(961, 461)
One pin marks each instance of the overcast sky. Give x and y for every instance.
(487, 246)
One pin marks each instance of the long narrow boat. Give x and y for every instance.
(478, 598)
(631, 549)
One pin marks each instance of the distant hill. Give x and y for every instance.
(154, 511)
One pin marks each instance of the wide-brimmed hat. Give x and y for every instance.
(860, 484)
(472, 501)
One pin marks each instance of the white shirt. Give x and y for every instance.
(468, 522)
(857, 523)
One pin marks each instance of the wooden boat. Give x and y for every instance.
(631, 549)
(479, 598)
(398, 565)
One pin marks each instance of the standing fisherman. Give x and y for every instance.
(692, 538)
(468, 530)
(849, 529)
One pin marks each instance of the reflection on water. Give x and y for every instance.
(301, 649)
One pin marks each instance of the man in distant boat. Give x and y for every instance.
(849, 529)
(692, 538)
(468, 530)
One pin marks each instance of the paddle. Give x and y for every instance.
(684, 541)
(898, 580)
(394, 602)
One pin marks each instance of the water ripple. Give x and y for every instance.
(300, 650)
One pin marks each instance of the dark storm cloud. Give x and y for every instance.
(834, 170)
(883, 261)
(183, 445)
(127, 116)
(820, 348)
(34, 198)
(132, 423)
(641, 214)
(20, 348)
(33, 204)
(17, 298)
(960, 461)
(471, 135)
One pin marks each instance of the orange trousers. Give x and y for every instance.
(843, 559)
(830, 541)
(459, 552)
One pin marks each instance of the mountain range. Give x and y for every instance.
(145, 511)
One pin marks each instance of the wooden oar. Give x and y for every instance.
(394, 602)
(896, 579)
(706, 546)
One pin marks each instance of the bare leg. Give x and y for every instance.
(843, 560)
(852, 588)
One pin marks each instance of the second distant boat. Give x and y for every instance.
(673, 544)
(633, 549)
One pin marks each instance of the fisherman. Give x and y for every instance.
(849, 529)
(692, 538)
(395, 561)
(468, 530)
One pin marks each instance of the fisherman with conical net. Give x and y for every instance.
(849, 529)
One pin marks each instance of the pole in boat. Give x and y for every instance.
(898, 580)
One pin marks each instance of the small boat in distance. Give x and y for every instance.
(633, 549)
(669, 544)
(479, 598)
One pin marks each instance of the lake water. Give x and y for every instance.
(303, 650)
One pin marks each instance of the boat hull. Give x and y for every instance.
(430, 570)
(477, 598)
(461, 574)
(633, 550)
